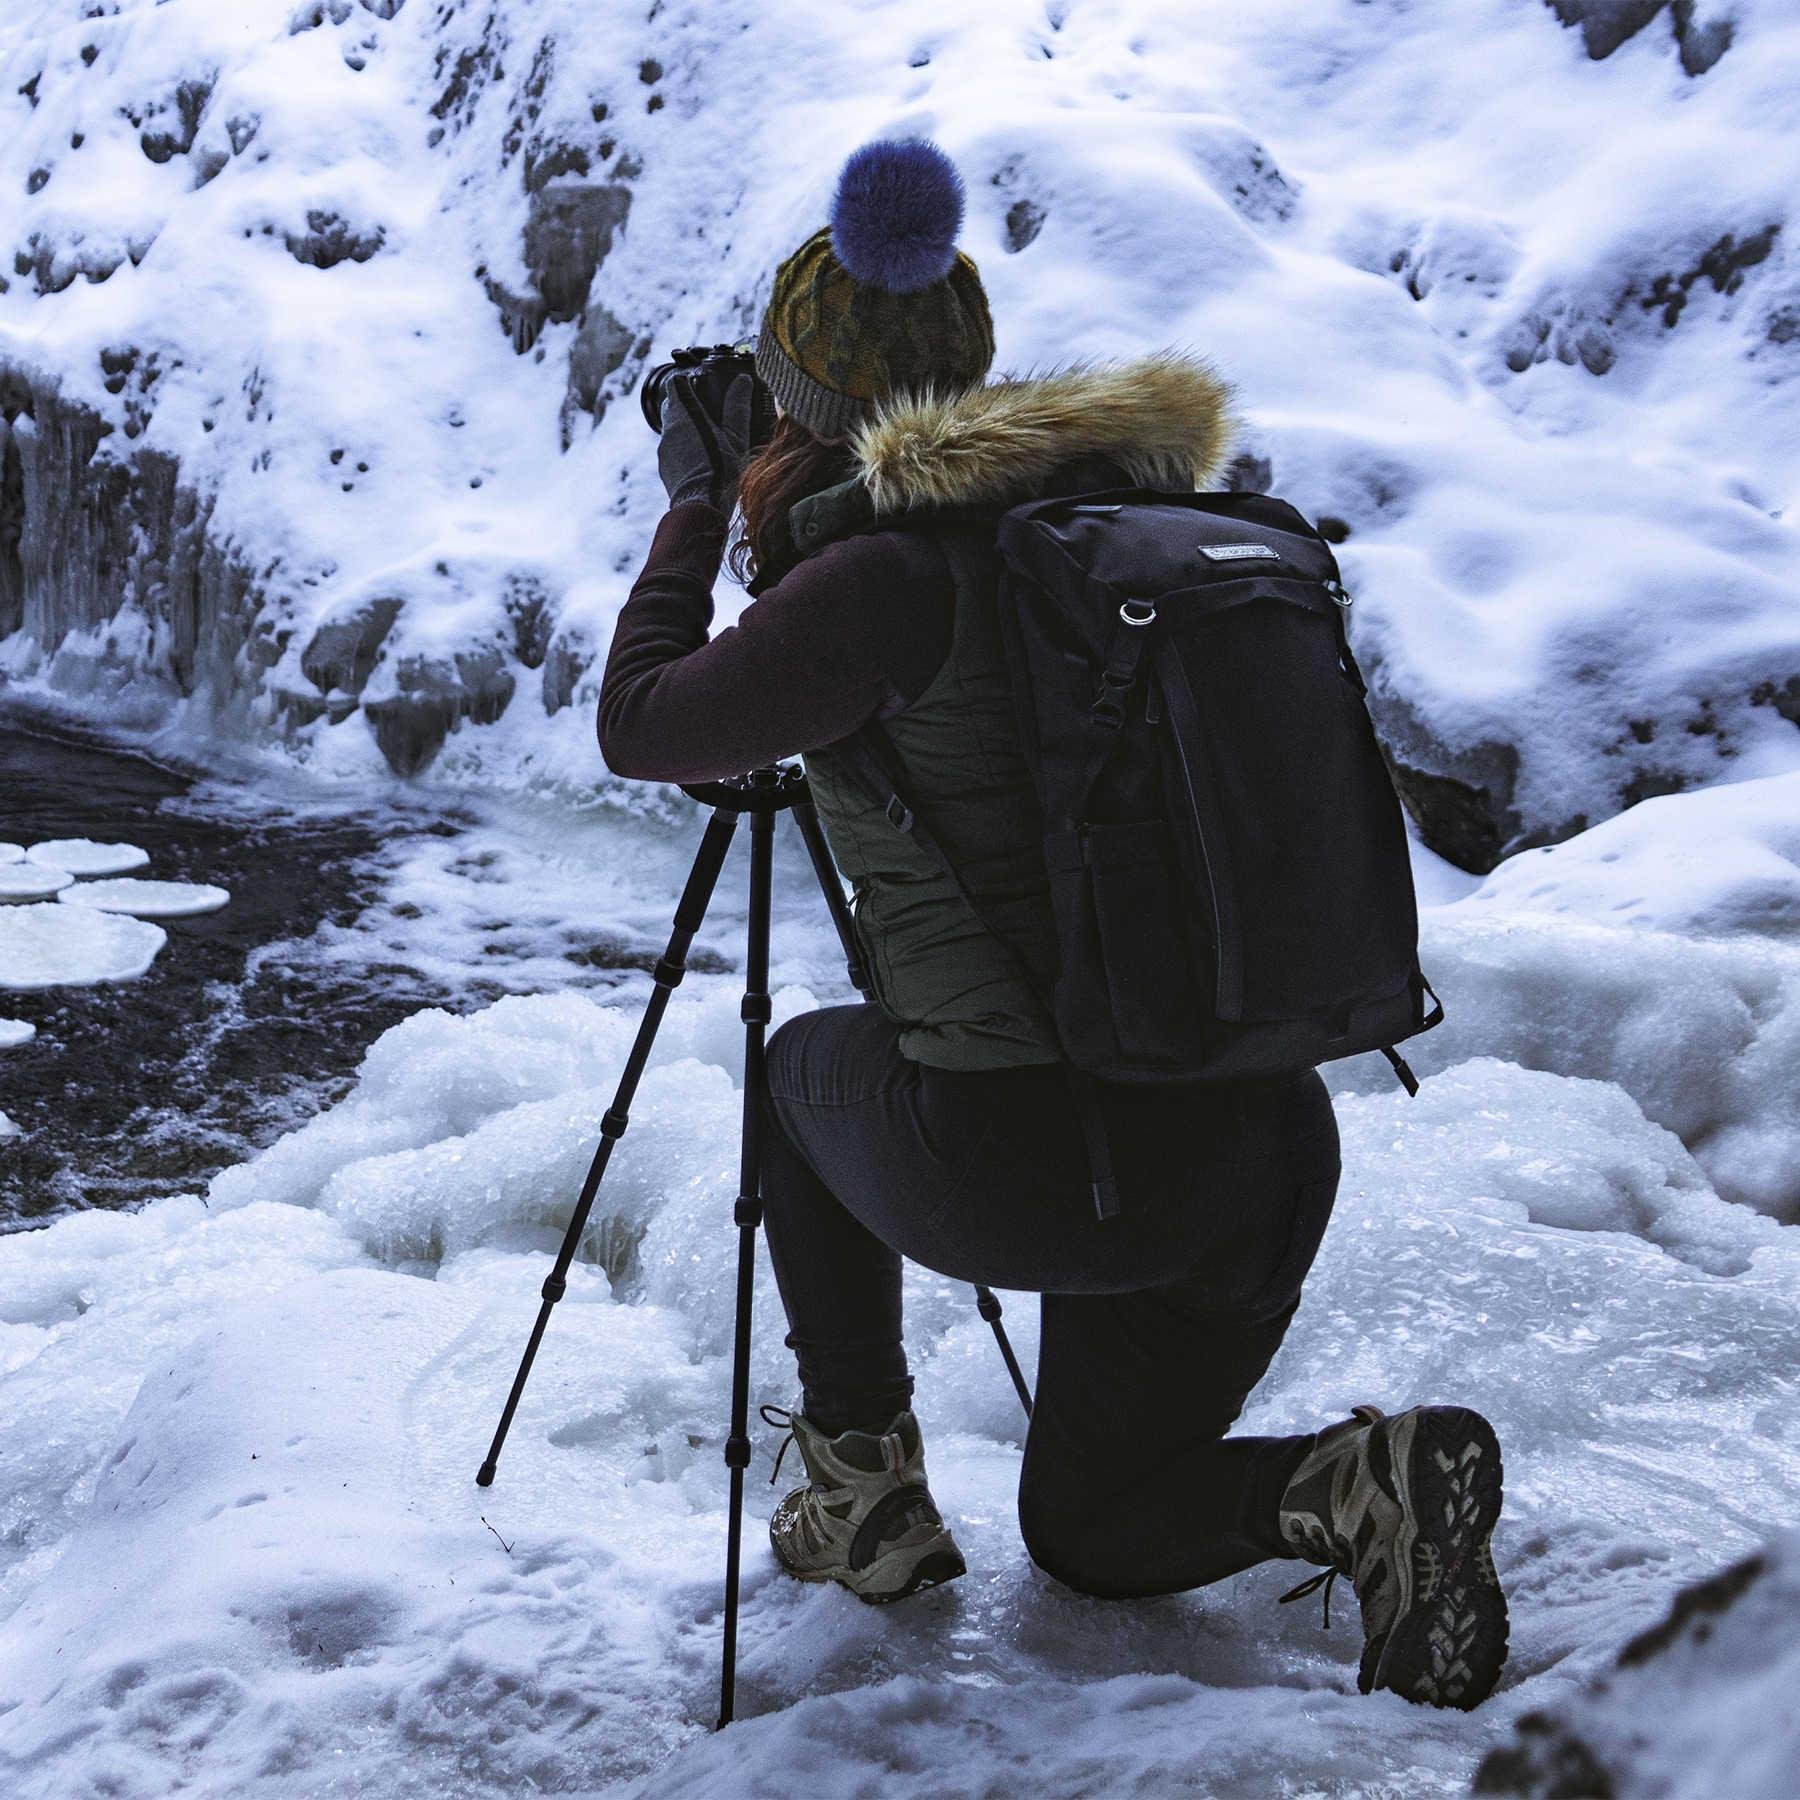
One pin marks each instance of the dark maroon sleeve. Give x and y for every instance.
(853, 632)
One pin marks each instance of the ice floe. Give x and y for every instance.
(31, 881)
(84, 856)
(148, 899)
(56, 946)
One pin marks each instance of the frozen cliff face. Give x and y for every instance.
(316, 319)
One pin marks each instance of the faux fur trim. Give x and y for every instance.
(1166, 419)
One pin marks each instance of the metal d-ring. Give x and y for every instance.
(1148, 616)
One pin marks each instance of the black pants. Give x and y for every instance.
(1156, 1324)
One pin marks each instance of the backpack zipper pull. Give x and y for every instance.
(1340, 593)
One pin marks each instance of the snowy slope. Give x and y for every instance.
(316, 312)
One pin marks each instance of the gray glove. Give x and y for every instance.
(706, 436)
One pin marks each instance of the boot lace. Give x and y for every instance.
(1337, 1551)
(782, 1419)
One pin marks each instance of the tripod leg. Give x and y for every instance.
(807, 818)
(987, 1303)
(748, 1215)
(689, 912)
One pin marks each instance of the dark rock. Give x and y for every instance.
(603, 347)
(175, 136)
(522, 316)
(1024, 220)
(570, 656)
(1461, 800)
(1606, 24)
(435, 696)
(1247, 474)
(329, 239)
(342, 651)
(1723, 264)
(567, 234)
(1702, 43)
(1785, 699)
(87, 525)
(527, 604)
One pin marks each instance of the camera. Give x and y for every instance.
(713, 368)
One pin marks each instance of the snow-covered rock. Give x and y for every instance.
(317, 318)
(1699, 1705)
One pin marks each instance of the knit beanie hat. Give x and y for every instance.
(881, 299)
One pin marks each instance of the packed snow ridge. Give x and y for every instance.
(317, 321)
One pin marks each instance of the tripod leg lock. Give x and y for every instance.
(668, 972)
(748, 1211)
(737, 1452)
(756, 1010)
(613, 1122)
(988, 1305)
(554, 1288)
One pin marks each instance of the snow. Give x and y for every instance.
(148, 899)
(82, 856)
(11, 852)
(26, 881)
(1687, 1707)
(14, 1032)
(7, 1127)
(56, 946)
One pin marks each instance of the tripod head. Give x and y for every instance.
(768, 790)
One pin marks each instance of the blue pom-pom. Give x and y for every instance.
(898, 209)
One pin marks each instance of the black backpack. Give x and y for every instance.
(1226, 854)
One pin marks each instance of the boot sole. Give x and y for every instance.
(1448, 1646)
(896, 1576)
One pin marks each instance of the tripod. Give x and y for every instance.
(761, 794)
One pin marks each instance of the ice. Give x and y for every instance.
(56, 946)
(28, 881)
(14, 1032)
(148, 899)
(11, 852)
(83, 856)
(7, 1127)
(297, 1561)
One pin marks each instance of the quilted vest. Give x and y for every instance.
(958, 995)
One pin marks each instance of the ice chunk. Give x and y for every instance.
(58, 946)
(148, 899)
(8, 1128)
(83, 856)
(14, 1032)
(31, 881)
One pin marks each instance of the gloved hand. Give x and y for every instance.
(707, 434)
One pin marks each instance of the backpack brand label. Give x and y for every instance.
(1238, 552)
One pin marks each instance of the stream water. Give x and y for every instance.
(135, 1089)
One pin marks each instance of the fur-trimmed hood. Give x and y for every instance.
(1165, 420)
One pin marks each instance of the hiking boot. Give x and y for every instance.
(867, 1520)
(1406, 1508)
